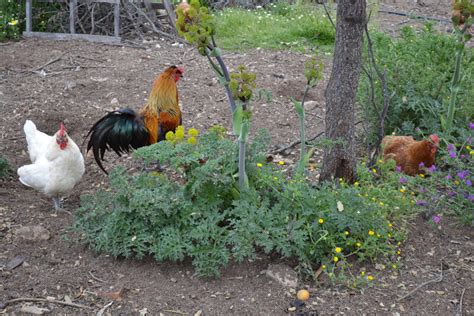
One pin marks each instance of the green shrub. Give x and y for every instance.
(196, 210)
(10, 23)
(5, 168)
(420, 67)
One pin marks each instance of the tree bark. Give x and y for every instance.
(340, 160)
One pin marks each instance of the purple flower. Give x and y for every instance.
(449, 177)
(421, 203)
(436, 219)
(403, 180)
(421, 164)
(432, 168)
(468, 182)
(463, 174)
(450, 147)
(470, 197)
(463, 156)
(452, 154)
(471, 125)
(452, 193)
(399, 168)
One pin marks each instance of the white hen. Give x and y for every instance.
(57, 163)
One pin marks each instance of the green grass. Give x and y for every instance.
(279, 26)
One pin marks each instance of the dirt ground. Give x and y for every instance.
(78, 86)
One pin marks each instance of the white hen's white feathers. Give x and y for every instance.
(53, 171)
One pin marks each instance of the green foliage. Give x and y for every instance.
(9, 19)
(278, 26)
(5, 168)
(242, 84)
(197, 210)
(419, 67)
(196, 25)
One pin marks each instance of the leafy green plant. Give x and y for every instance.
(5, 168)
(9, 19)
(197, 210)
(461, 22)
(313, 72)
(419, 67)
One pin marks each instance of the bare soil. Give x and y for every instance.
(88, 79)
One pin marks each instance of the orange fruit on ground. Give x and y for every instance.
(302, 295)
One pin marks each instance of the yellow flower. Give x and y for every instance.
(346, 232)
(321, 221)
(179, 133)
(398, 252)
(281, 163)
(456, 182)
(170, 136)
(341, 179)
(374, 170)
(13, 22)
(468, 147)
(259, 165)
(275, 178)
(381, 203)
(380, 161)
(422, 175)
(402, 190)
(389, 234)
(399, 243)
(323, 266)
(471, 152)
(412, 202)
(356, 184)
(378, 235)
(193, 132)
(335, 259)
(358, 244)
(370, 278)
(390, 225)
(338, 249)
(373, 199)
(362, 273)
(192, 140)
(394, 266)
(371, 232)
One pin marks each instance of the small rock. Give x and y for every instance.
(33, 309)
(283, 274)
(379, 266)
(15, 262)
(114, 101)
(198, 313)
(173, 280)
(32, 233)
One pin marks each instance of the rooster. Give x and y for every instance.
(410, 154)
(57, 163)
(125, 128)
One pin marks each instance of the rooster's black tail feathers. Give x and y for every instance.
(120, 131)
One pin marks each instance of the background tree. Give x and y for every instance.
(339, 159)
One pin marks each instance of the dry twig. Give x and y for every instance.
(436, 280)
(43, 300)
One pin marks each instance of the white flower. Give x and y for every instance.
(340, 206)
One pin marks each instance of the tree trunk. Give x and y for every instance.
(339, 159)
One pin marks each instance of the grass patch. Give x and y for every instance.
(278, 26)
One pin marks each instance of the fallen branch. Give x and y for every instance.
(421, 17)
(95, 278)
(52, 61)
(437, 280)
(43, 300)
(102, 310)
